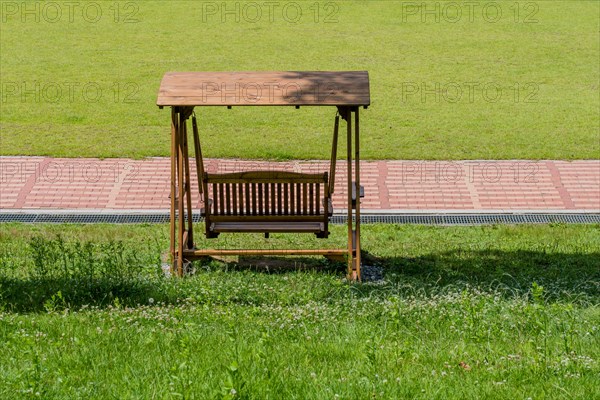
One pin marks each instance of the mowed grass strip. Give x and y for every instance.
(516, 80)
(463, 312)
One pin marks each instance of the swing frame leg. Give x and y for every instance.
(181, 238)
(174, 133)
(353, 175)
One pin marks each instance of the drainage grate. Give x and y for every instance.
(481, 219)
(420, 219)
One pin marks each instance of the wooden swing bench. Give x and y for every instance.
(265, 202)
(262, 201)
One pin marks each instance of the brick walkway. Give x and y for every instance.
(122, 184)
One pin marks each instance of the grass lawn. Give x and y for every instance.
(464, 312)
(518, 80)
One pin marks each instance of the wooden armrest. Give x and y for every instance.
(362, 192)
(203, 211)
(328, 206)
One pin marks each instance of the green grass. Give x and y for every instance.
(557, 55)
(464, 312)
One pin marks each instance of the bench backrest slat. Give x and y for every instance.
(298, 199)
(317, 196)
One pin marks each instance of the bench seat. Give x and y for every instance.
(267, 227)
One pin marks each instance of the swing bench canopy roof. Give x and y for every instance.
(285, 88)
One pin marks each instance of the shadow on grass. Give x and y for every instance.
(279, 265)
(40, 294)
(565, 276)
(448, 267)
(494, 265)
(512, 270)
